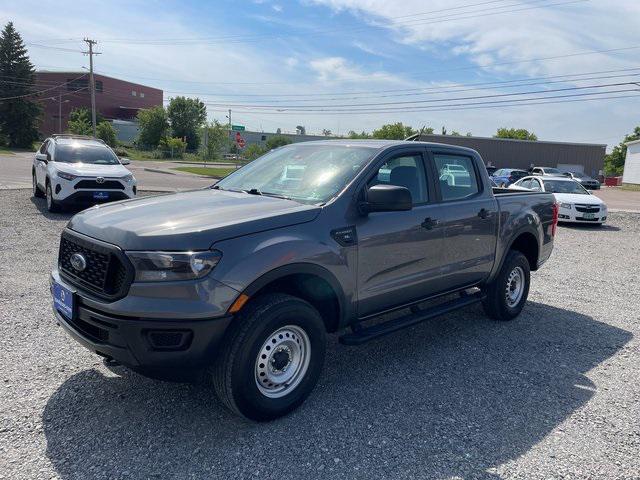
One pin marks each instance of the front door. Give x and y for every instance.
(399, 252)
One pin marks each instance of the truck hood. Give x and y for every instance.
(191, 220)
(92, 170)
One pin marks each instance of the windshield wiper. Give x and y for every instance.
(253, 191)
(275, 195)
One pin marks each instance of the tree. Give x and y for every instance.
(80, 122)
(186, 116)
(394, 131)
(254, 151)
(18, 116)
(517, 133)
(154, 125)
(355, 135)
(106, 132)
(217, 140)
(614, 162)
(277, 141)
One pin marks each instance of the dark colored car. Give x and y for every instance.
(241, 282)
(506, 176)
(585, 180)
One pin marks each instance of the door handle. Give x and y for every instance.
(484, 213)
(429, 223)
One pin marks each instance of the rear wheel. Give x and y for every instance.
(507, 294)
(272, 357)
(52, 205)
(37, 193)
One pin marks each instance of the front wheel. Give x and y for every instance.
(52, 206)
(507, 294)
(271, 358)
(37, 193)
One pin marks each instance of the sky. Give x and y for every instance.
(342, 65)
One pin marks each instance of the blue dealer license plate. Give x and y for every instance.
(62, 299)
(100, 195)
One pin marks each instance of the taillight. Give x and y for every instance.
(554, 224)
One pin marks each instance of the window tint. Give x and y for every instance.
(405, 171)
(525, 183)
(43, 148)
(457, 176)
(535, 185)
(78, 153)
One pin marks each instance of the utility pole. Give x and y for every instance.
(92, 83)
(229, 116)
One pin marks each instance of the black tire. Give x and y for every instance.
(498, 302)
(37, 193)
(236, 371)
(52, 205)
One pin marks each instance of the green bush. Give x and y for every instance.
(106, 132)
(170, 148)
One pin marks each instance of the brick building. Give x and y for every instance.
(115, 99)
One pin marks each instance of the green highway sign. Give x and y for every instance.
(237, 128)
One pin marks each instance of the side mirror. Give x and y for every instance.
(387, 198)
(124, 161)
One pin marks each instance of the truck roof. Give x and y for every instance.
(381, 144)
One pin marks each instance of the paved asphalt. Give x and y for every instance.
(553, 394)
(15, 172)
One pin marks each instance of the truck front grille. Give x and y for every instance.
(106, 273)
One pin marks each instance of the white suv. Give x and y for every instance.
(74, 169)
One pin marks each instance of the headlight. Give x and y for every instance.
(67, 176)
(565, 205)
(170, 266)
(128, 178)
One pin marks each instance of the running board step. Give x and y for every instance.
(363, 335)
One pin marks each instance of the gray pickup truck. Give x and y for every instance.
(242, 281)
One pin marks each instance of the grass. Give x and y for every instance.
(631, 187)
(207, 171)
(6, 151)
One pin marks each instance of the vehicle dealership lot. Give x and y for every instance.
(555, 393)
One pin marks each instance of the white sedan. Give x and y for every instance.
(576, 203)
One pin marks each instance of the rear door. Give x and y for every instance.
(468, 214)
(399, 253)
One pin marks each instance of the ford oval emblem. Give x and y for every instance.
(78, 262)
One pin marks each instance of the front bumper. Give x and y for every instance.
(143, 342)
(81, 190)
(572, 216)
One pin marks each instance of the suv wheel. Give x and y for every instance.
(508, 293)
(37, 193)
(52, 206)
(272, 357)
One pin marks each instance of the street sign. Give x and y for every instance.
(241, 143)
(239, 140)
(237, 128)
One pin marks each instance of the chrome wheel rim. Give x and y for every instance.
(282, 361)
(515, 287)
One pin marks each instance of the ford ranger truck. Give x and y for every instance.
(241, 282)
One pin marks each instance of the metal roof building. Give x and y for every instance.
(631, 173)
(523, 154)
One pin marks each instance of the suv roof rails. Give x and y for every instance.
(73, 135)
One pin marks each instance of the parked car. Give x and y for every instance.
(545, 171)
(79, 170)
(244, 280)
(576, 203)
(585, 180)
(506, 176)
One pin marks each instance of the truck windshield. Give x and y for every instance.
(304, 173)
(563, 186)
(78, 153)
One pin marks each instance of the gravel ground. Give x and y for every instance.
(553, 394)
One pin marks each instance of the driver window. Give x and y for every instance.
(404, 171)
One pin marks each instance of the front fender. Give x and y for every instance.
(252, 261)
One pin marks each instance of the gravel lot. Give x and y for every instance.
(553, 394)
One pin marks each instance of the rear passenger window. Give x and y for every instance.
(457, 176)
(404, 171)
